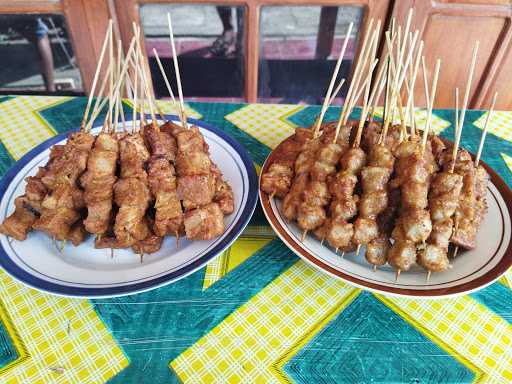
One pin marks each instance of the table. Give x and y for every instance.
(256, 313)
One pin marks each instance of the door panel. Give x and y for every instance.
(450, 29)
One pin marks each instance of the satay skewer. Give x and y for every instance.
(313, 214)
(432, 96)
(96, 74)
(486, 128)
(332, 81)
(166, 80)
(353, 95)
(99, 103)
(400, 72)
(336, 91)
(183, 116)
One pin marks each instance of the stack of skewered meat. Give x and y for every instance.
(403, 194)
(128, 188)
(436, 208)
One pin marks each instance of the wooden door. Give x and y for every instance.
(86, 20)
(449, 29)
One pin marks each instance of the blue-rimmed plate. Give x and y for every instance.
(88, 272)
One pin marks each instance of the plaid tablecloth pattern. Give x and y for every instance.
(255, 314)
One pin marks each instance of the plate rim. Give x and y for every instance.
(32, 281)
(460, 289)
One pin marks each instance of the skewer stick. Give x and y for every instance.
(96, 74)
(374, 267)
(360, 90)
(111, 83)
(381, 85)
(177, 235)
(377, 89)
(397, 275)
(336, 91)
(356, 78)
(304, 234)
(425, 82)
(486, 128)
(135, 90)
(117, 96)
(381, 80)
(342, 254)
(428, 123)
(455, 251)
(358, 94)
(166, 80)
(458, 132)
(358, 249)
(99, 103)
(364, 111)
(400, 72)
(468, 85)
(123, 72)
(183, 117)
(428, 275)
(143, 76)
(333, 80)
(414, 73)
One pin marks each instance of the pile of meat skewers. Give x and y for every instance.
(402, 193)
(129, 188)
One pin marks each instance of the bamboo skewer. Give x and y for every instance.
(98, 104)
(468, 85)
(428, 123)
(358, 94)
(333, 80)
(111, 84)
(117, 96)
(486, 127)
(123, 72)
(166, 80)
(366, 100)
(336, 91)
(354, 84)
(96, 74)
(399, 76)
(135, 93)
(183, 116)
(458, 132)
(410, 88)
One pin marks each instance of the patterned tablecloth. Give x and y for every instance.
(256, 313)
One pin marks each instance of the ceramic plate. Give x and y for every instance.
(472, 270)
(89, 272)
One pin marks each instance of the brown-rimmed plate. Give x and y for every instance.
(471, 271)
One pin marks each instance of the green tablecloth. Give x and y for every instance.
(256, 313)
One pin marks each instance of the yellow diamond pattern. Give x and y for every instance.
(65, 339)
(471, 333)
(22, 127)
(499, 125)
(265, 122)
(438, 124)
(255, 341)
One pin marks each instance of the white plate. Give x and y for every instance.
(89, 272)
(472, 270)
